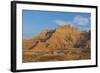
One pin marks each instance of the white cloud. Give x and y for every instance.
(82, 21)
(77, 20)
(61, 22)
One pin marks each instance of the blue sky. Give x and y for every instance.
(36, 21)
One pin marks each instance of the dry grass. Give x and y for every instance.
(56, 55)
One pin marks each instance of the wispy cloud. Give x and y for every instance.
(78, 21)
(62, 22)
(81, 21)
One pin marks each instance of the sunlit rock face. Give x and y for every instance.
(62, 43)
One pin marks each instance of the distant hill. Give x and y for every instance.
(63, 38)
